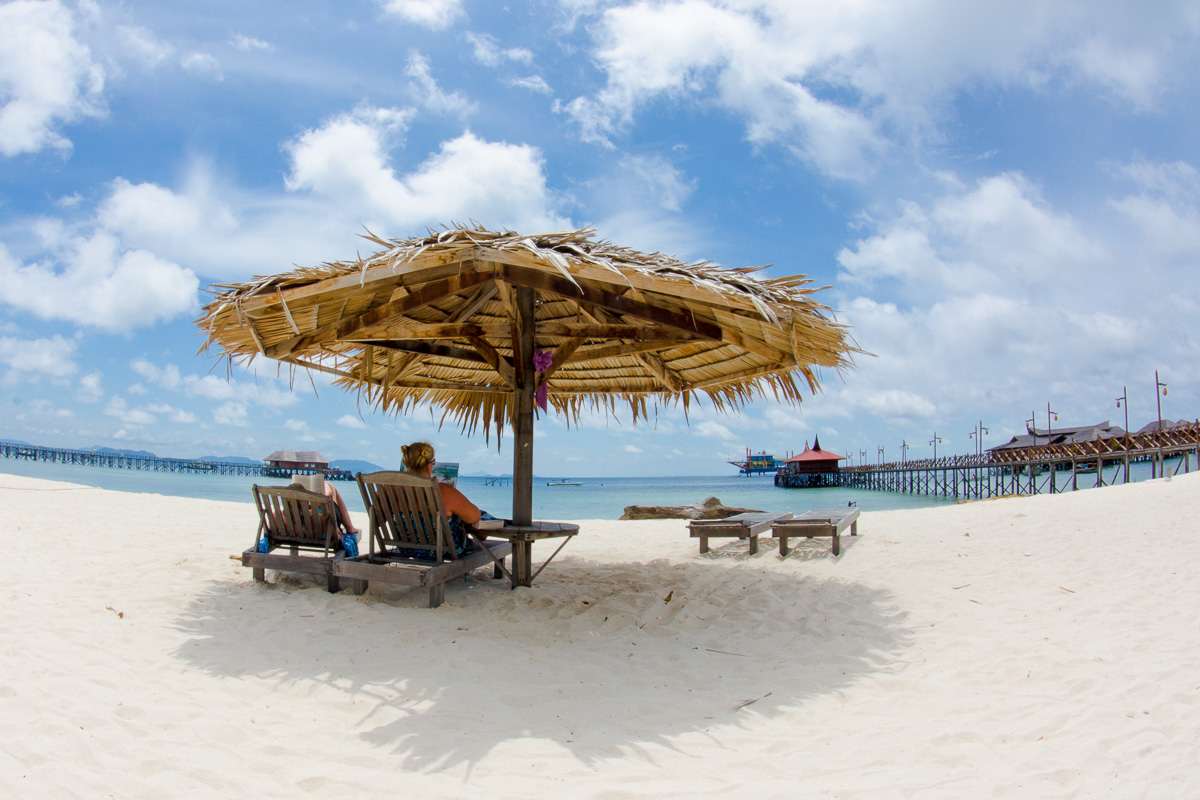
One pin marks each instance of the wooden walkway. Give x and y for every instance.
(1041, 470)
(90, 458)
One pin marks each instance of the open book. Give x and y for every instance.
(489, 523)
(446, 472)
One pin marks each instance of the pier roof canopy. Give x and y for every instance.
(434, 319)
(296, 457)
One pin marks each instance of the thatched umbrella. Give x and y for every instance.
(477, 322)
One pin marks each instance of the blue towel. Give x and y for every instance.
(350, 545)
(263, 545)
(458, 535)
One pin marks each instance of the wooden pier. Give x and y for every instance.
(1034, 470)
(91, 458)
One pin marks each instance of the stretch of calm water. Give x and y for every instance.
(597, 498)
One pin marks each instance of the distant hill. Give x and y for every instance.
(231, 459)
(108, 451)
(16, 441)
(354, 465)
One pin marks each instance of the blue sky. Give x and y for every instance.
(1003, 198)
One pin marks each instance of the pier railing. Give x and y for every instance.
(91, 458)
(1032, 470)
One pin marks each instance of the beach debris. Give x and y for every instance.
(726, 653)
(965, 585)
(1065, 589)
(743, 704)
(120, 614)
(670, 594)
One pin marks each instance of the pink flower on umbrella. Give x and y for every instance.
(542, 359)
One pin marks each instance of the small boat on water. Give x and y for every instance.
(564, 483)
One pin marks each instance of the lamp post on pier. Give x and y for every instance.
(1123, 402)
(934, 442)
(1158, 402)
(1049, 428)
(977, 435)
(862, 457)
(880, 455)
(1158, 398)
(904, 451)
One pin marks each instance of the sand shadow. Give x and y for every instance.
(573, 662)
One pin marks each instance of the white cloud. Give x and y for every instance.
(341, 179)
(640, 204)
(838, 83)
(999, 236)
(147, 414)
(534, 83)
(494, 182)
(143, 46)
(100, 283)
(262, 392)
(223, 230)
(351, 421)
(167, 377)
(632, 448)
(487, 51)
(46, 76)
(247, 44)
(992, 293)
(33, 358)
(232, 413)
(203, 64)
(433, 97)
(91, 388)
(714, 430)
(435, 14)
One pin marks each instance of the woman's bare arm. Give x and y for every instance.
(457, 503)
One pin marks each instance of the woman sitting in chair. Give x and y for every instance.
(418, 460)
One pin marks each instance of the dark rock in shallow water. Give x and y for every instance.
(709, 509)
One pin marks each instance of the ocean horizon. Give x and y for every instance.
(595, 498)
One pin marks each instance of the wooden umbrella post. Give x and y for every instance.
(522, 407)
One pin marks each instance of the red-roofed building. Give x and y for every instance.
(807, 468)
(296, 461)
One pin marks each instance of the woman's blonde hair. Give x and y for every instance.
(417, 457)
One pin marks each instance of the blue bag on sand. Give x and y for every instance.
(350, 545)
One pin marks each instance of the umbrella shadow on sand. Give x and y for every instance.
(599, 659)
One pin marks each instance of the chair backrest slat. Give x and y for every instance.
(406, 511)
(296, 518)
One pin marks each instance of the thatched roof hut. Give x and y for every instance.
(429, 320)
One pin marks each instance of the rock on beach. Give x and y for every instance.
(711, 508)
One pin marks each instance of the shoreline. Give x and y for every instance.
(1037, 646)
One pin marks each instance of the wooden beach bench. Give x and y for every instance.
(747, 525)
(831, 522)
(300, 531)
(406, 513)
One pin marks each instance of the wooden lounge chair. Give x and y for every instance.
(747, 525)
(831, 522)
(301, 522)
(406, 514)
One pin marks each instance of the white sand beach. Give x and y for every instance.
(1016, 648)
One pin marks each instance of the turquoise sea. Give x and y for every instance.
(596, 498)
